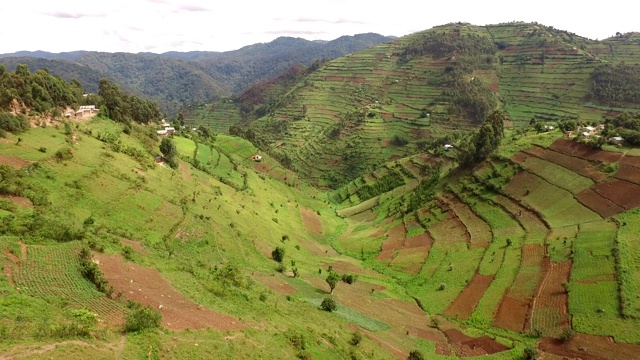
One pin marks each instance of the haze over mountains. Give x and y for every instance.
(174, 78)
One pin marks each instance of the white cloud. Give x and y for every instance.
(164, 25)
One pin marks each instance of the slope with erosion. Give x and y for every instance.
(547, 248)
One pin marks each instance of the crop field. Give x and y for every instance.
(50, 272)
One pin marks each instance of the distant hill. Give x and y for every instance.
(174, 78)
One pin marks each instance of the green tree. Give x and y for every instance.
(415, 355)
(332, 279)
(278, 254)
(169, 152)
(329, 304)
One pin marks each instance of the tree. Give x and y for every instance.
(142, 318)
(169, 151)
(329, 304)
(415, 355)
(278, 254)
(332, 279)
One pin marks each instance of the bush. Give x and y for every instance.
(356, 338)
(415, 355)
(141, 318)
(349, 278)
(278, 254)
(64, 154)
(442, 286)
(530, 353)
(329, 304)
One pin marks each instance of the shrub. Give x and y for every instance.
(64, 154)
(349, 278)
(141, 318)
(127, 252)
(530, 353)
(398, 141)
(415, 355)
(442, 286)
(356, 338)
(566, 335)
(329, 304)
(278, 254)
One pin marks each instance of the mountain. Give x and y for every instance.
(175, 78)
(399, 96)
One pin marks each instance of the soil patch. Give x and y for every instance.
(13, 161)
(629, 169)
(394, 241)
(574, 148)
(467, 346)
(577, 165)
(512, 314)
(311, 221)
(319, 249)
(147, 286)
(465, 303)
(19, 200)
(277, 284)
(422, 240)
(442, 345)
(620, 192)
(590, 347)
(594, 201)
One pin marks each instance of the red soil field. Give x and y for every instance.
(13, 161)
(520, 157)
(629, 169)
(479, 231)
(418, 241)
(599, 204)
(311, 221)
(467, 346)
(512, 314)
(394, 241)
(549, 312)
(577, 165)
(147, 286)
(620, 192)
(577, 149)
(465, 303)
(520, 183)
(589, 347)
(277, 284)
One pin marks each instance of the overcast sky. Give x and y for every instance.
(186, 25)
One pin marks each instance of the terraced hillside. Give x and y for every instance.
(384, 102)
(534, 241)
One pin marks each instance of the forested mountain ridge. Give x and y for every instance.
(194, 77)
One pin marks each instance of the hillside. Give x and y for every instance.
(194, 77)
(490, 261)
(418, 88)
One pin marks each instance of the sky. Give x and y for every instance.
(205, 25)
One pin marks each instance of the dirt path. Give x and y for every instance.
(13, 161)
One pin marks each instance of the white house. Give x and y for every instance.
(448, 146)
(162, 132)
(616, 140)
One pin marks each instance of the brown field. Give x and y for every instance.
(620, 192)
(574, 148)
(311, 221)
(146, 286)
(512, 314)
(450, 230)
(394, 241)
(629, 169)
(549, 312)
(599, 204)
(577, 165)
(13, 161)
(465, 303)
(466, 346)
(590, 347)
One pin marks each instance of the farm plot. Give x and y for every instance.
(515, 306)
(596, 202)
(464, 305)
(558, 206)
(629, 270)
(535, 228)
(414, 252)
(629, 169)
(394, 241)
(53, 273)
(575, 164)
(622, 193)
(479, 230)
(549, 313)
(574, 148)
(593, 259)
(555, 174)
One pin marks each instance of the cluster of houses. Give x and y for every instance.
(167, 129)
(593, 132)
(82, 111)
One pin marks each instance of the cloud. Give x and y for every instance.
(330, 21)
(193, 8)
(66, 15)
